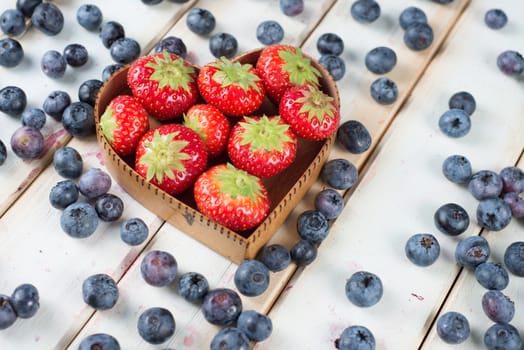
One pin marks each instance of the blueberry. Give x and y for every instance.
(442, 2)
(12, 22)
(502, 336)
(255, 325)
(151, 2)
(109, 207)
(156, 325)
(354, 136)
(7, 312)
(334, 65)
(457, 168)
(100, 341)
(75, 55)
(451, 219)
(63, 193)
(472, 251)
(355, 338)
(364, 289)
(230, 338)
(13, 100)
(418, 36)
(512, 179)
(88, 91)
(492, 276)
(68, 162)
(276, 257)
(291, 7)
(193, 286)
(223, 44)
(11, 52)
(172, 44)
(514, 258)
(79, 119)
(53, 64)
(485, 184)
(125, 50)
(48, 18)
(134, 231)
(221, 306)
(110, 32)
(511, 63)
(463, 100)
(454, 123)
(365, 11)
(158, 268)
(339, 173)
(422, 249)
(269, 32)
(100, 291)
(79, 220)
(329, 202)
(411, 15)
(109, 70)
(330, 44)
(498, 307)
(34, 117)
(94, 183)
(453, 327)
(303, 253)
(27, 142)
(515, 203)
(381, 60)
(25, 300)
(56, 103)
(251, 278)
(384, 91)
(495, 18)
(493, 214)
(3, 152)
(89, 16)
(27, 6)
(313, 226)
(200, 21)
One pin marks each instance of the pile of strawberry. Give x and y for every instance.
(215, 111)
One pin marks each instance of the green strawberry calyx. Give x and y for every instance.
(298, 67)
(235, 73)
(238, 183)
(163, 155)
(108, 124)
(194, 124)
(316, 104)
(264, 133)
(171, 72)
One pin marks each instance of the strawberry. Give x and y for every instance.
(232, 197)
(171, 156)
(123, 123)
(262, 146)
(234, 88)
(312, 114)
(282, 67)
(164, 83)
(212, 126)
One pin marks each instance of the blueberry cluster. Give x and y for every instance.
(330, 46)
(24, 302)
(456, 122)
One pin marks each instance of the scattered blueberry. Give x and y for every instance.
(418, 36)
(13, 101)
(75, 55)
(34, 117)
(276, 257)
(515, 203)
(79, 220)
(89, 16)
(100, 341)
(364, 289)
(151, 2)
(100, 291)
(303, 253)
(339, 173)
(12, 22)
(269, 32)
(498, 307)
(11, 52)
(221, 306)
(159, 268)
(485, 184)
(313, 226)
(79, 119)
(125, 50)
(156, 325)
(330, 44)
(422, 249)
(502, 336)
(63, 193)
(355, 338)
(193, 286)
(384, 91)
(3, 152)
(200, 21)
(88, 91)
(472, 251)
(94, 183)
(255, 325)
(492, 276)
(172, 44)
(27, 6)
(442, 2)
(453, 327)
(354, 136)
(7, 312)
(381, 60)
(68, 162)
(134, 231)
(512, 179)
(493, 214)
(495, 18)
(291, 7)
(411, 15)
(365, 11)
(27, 142)
(511, 63)
(109, 207)
(223, 44)
(53, 64)
(455, 123)
(514, 258)
(334, 65)
(109, 70)
(451, 219)
(463, 100)
(251, 278)
(56, 103)
(329, 202)
(110, 32)
(230, 338)
(25, 300)
(457, 168)
(48, 18)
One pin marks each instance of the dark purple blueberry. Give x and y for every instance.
(151, 2)
(355, 338)
(384, 91)
(454, 123)
(111, 31)
(109, 70)
(495, 18)
(56, 103)
(11, 52)
(365, 11)
(27, 142)
(27, 6)
(485, 184)
(75, 55)
(79, 119)
(251, 278)
(156, 325)
(94, 183)
(502, 336)
(99, 341)
(291, 7)
(230, 338)
(48, 18)
(63, 193)
(12, 22)
(411, 15)
(339, 173)
(418, 36)
(498, 307)
(193, 286)
(303, 253)
(453, 327)
(25, 300)
(492, 276)
(463, 100)
(100, 291)
(13, 101)
(89, 16)
(200, 21)
(109, 207)
(514, 258)
(79, 220)
(158, 268)
(364, 289)
(34, 117)
(472, 251)
(451, 219)
(269, 32)
(125, 50)
(457, 168)
(276, 257)
(7, 312)
(330, 44)
(381, 60)
(172, 44)
(329, 202)
(88, 91)
(354, 136)
(515, 203)
(221, 306)
(334, 65)
(422, 249)
(134, 231)
(223, 44)
(512, 179)
(256, 326)
(3, 152)
(53, 64)
(442, 2)
(68, 162)
(313, 226)
(493, 214)
(511, 63)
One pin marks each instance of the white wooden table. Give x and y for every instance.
(400, 187)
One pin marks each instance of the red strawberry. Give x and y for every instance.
(282, 67)
(164, 83)
(212, 126)
(232, 87)
(123, 123)
(312, 114)
(232, 197)
(262, 146)
(171, 156)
